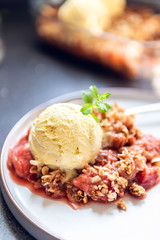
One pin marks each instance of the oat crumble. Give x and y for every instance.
(137, 190)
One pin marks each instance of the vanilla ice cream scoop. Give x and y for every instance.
(62, 137)
(95, 15)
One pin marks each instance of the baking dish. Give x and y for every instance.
(132, 58)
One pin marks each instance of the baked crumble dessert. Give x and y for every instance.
(118, 44)
(125, 160)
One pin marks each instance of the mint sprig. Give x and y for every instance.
(87, 97)
(93, 100)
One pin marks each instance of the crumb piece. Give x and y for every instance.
(121, 205)
(85, 199)
(137, 190)
(33, 169)
(45, 170)
(111, 196)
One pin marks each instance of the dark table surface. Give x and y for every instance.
(32, 73)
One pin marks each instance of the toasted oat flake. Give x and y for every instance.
(35, 163)
(33, 169)
(113, 176)
(96, 179)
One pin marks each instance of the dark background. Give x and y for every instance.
(32, 73)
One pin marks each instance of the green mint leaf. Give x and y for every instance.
(95, 118)
(87, 97)
(107, 106)
(93, 100)
(101, 107)
(94, 92)
(87, 109)
(105, 96)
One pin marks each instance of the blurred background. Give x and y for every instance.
(48, 49)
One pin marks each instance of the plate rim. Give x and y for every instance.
(129, 92)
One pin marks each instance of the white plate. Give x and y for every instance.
(46, 219)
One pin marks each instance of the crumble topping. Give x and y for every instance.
(137, 190)
(130, 163)
(101, 183)
(118, 128)
(51, 181)
(75, 195)
(127, 166)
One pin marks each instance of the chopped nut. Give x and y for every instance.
(137, 190)
(121, 205)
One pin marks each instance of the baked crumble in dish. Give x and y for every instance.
(128, 44)
(126, 162)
